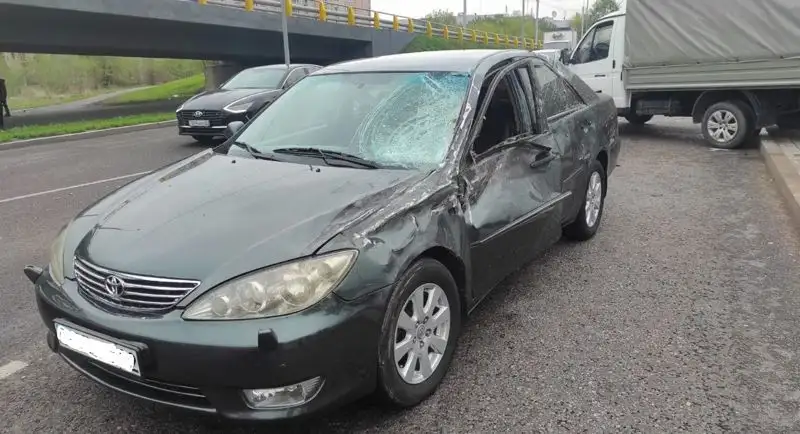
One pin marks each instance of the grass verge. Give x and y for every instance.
(36, 131)
(183, 88)
(24, 103)
(424, 43)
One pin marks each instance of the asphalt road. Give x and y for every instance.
(681, 315)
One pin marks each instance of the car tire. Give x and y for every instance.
(729, 120)
(205, 140)
(411, 389)
(588, 220)
(638, 119)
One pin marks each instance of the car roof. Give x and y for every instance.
(424, 61)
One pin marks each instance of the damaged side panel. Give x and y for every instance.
(513, 213)
(388, 246)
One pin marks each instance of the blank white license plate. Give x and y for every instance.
(199, 123)
(98, 349)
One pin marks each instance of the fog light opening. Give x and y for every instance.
(283, 397)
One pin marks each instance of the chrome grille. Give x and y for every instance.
(215, 116)
(130, 292)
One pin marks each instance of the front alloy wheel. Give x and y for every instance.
(419, 333)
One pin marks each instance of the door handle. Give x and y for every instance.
(599, 75)
(598, 91)
(542, 159)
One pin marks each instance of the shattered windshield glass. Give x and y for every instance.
(404, 119)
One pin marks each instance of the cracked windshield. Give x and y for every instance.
(396, 119)
(399, 216)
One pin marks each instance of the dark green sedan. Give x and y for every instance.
(333, 246)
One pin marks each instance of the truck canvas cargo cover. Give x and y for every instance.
(712, 43)
(677, 32)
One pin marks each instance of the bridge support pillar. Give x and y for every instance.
(217, 72)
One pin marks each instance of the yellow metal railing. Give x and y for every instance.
(329, 12)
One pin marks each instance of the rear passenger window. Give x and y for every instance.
(557, 96)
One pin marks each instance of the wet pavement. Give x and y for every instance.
(680, 315)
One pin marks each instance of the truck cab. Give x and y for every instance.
(599, 56)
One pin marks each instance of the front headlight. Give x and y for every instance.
(279, 290)
(240, 106)
(57, 257)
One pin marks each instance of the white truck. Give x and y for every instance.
(733, 66)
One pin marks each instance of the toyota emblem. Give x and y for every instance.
(115, 286)
(198, 113)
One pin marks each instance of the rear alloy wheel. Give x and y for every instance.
(588, 221)
(419, 333)
(726, 125)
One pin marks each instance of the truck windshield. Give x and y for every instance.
(398, 119)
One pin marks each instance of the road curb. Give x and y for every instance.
(85, 135)
(785, 173)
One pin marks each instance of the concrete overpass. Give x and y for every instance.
(239, 33)
(180, 29)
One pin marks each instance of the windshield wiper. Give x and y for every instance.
(327, 156)
(255, 153)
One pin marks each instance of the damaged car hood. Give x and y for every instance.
(214, 216)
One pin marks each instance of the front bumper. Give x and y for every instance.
(205, 365)
(218, 121)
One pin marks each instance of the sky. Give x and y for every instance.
(419, 8)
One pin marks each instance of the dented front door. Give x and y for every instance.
(512, 199)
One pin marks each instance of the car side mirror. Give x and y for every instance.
(233, 128)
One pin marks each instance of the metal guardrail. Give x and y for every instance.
(318, 10)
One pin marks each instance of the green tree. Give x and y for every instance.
(598, 10)
(601, 8)
(440, 16)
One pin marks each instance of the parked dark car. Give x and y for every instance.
(336, 253)
(205, 115)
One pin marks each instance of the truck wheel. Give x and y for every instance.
(726, 125)
(638, 119)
